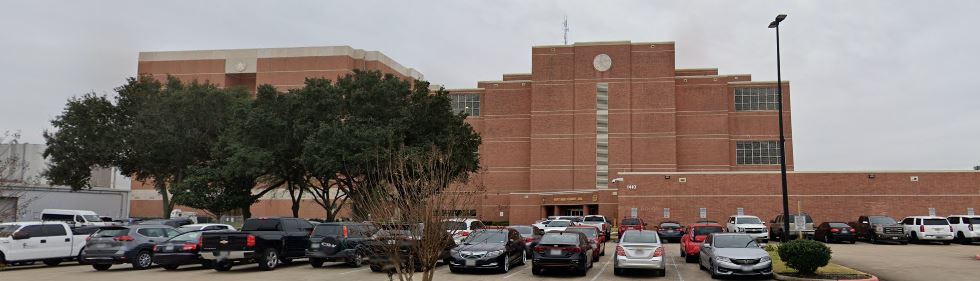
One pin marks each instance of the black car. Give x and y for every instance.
(531, 234)
(835, 232)
(183, 249)
(563, 250)
(339, 241)
(670, 231)
(489, 249)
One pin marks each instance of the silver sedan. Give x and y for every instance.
(640, 249)
(729, 254)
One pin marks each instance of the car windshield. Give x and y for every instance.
(631, 221)
(454, 225)
(189, 228)
(670, 225)
(111, 232)
(640, 237)
(487, 236)
(568, 238)
(260, 225)
(8, 229)
(328, 229)
(792, 219)
(190, 237)
(748, 220)
(588, 231)
(558, 224)
(882, 220)
(92, 218)
(935, 222)
(705, 230)
(598, 219)
(523, 230)
(734, 241)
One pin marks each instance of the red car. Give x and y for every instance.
(694, 236)
(595, 239)
(631, 223)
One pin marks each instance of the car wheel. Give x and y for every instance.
(962, 238)
(101, 267)
(946, 242)
(143, 260)
(504, 263)
(591, 262)
(171, 267)
(357, 260)
(376, 268)
(77, 258)
(316, 262)
(714, 274)
(52, 262)
(662, 272)
(701, 265)
(222, 266)
(617, 271)
(523, 260)
(683, 253)
(827, 238)
(872, 239)
(269, 259)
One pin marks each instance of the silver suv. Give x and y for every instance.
(125, 244)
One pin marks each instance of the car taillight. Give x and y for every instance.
(950, 228)
(200, 242)
(188, 247)
(124, 238)
(531, 239)
(620, 251)
(834, 230)
(345, 231)
(539, 249)
(922, 228)
(250, 241)
(573, 250)
(659, 252)
(464, 233)
(154, 248)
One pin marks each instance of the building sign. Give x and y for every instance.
(799, 222)
(631, 186)
(741, 211)
(567, 199)
(703, 213)
(666, 213)
(932, 212)
(633, 212)
(595, 197)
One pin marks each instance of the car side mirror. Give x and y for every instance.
(21, 235)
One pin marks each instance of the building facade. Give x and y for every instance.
(611, 128)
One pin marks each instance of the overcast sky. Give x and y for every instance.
(878, 85)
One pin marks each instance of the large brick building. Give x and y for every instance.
(612, 128)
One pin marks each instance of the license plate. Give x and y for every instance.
(470, 262)
(639, 253)
(170, 248)
(894, 238)
(556, 252)
(746, 268)
(938, 229)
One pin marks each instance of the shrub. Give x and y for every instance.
(771, 247)
(804, 255)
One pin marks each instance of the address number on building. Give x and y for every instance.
(631, 187)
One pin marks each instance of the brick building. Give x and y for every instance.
(603, 128)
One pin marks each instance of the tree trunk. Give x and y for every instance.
(246, 212)
(161, 187)
(294, 197)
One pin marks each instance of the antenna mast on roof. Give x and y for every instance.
(565, 24)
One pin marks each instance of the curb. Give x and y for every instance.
(778, 276)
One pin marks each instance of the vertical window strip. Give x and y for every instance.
(602, 135)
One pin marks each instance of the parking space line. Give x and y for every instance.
(603, 269)
(525, 267)
(352, 271)
(676, 269)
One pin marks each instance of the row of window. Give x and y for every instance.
(757, 153)
(746, 99)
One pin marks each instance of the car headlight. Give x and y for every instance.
(495, 253)
(722, 259)
(879, 229)
(765, 259)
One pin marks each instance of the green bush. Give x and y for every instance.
(771, 247)
(804, 255)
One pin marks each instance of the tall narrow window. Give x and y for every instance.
(466, 103)
(756, 99)
(602, 136)
(757, 152)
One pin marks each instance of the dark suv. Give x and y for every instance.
(125, 244)
(563, 250)
(339, 241)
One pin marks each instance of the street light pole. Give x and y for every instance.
(782, 139)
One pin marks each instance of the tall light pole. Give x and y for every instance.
(782, 139)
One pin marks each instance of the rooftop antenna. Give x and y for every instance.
(565, 24)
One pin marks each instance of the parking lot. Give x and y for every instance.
(889, 262)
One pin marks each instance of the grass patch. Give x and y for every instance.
(832, 271)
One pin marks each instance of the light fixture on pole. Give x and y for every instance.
(782, 138)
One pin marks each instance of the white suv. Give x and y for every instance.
(928, 228)
(751, 225)
(966, 229)
(460, 228)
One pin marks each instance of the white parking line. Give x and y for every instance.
(678, 270)
(525, 267)
(352, 271)
(609, 260)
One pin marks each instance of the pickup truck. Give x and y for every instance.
(49, 242)
(878, 229)
(601, 222)
(267, 241)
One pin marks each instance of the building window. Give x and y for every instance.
(756, 99)
(757, 152)
(602, 136)
(466, 103)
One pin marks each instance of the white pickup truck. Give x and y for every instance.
(49, 242)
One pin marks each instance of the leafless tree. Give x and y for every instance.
(410, 200)
(13, 200)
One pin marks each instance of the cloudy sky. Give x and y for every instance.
(879, 85)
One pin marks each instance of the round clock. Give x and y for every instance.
(602, 62)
